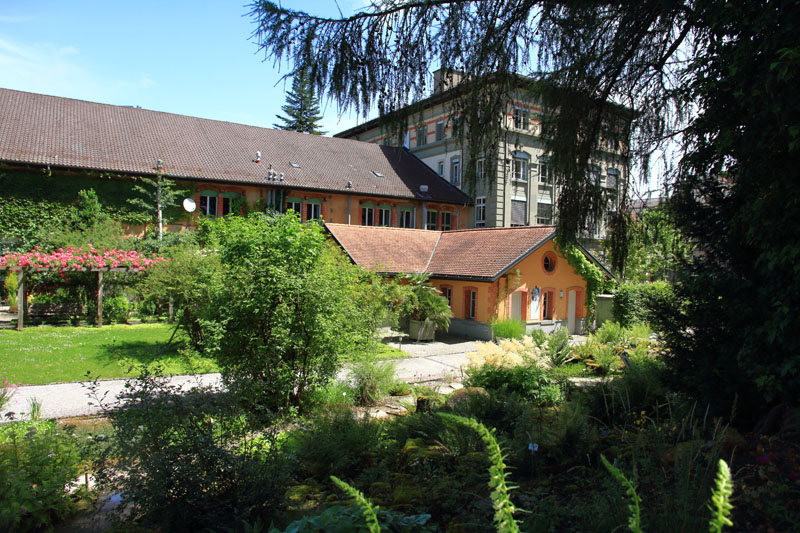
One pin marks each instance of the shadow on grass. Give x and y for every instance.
(135, 355)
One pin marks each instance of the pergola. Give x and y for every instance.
(73, 260)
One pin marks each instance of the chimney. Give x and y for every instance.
(446, 79)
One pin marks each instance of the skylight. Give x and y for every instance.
(377, 173)
(294, 165)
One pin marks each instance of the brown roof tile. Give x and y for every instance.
(62, 132)
(481, 253)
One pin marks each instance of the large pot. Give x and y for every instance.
(419, 330)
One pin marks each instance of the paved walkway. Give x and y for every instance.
(440, 360)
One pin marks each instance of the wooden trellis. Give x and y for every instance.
(22, 300)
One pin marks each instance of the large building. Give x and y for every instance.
(48, 142)
(519, 190)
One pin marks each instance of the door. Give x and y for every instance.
(572, 298)
(516, 305)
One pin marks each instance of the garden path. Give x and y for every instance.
(440, 360)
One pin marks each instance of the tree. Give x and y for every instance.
(302, 107)
(713, 79)
(157, 195)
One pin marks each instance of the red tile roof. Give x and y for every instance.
(480, 254)
(62, 132)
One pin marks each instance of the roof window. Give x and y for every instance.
(377, 173)
(294, 165)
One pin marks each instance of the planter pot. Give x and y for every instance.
(418, 330)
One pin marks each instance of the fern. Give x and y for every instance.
(503, 507)
(720, 505)
(363, 503)
(634, 520)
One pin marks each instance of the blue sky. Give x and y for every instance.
(191, 58)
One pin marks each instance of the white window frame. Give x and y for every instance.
(405, 218)
(545, 172)
(313, 211)
(473, 303)
(428, 224)
(544, 220)
(455, 171)
(440, 165)
(521, 121)
(367, 216)
(384, 216)
(446, 221)
(422, 135)
(447, 292)
(440, 133)
(520, 168)
(480, 169)
(480, 212)
(208, 201)
(297, 207)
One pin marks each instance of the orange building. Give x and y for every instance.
(227, 165)
(485, 273)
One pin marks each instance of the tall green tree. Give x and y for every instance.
(302, 107)
(713, 79)
(156, 196)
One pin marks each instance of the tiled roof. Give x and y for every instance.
(62, 132)
(481, 253)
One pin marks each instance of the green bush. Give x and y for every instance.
(610, 333)
(526, 381)
(509, 328)
(371, 380)
(338, 518)
(116, 309)
(640, 302)
(38, 462)
(11, 284)
(539, 336)
(558, 349)
(191, 459)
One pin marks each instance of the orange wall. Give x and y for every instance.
(494, 299)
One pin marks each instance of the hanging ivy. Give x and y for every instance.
(596, 282)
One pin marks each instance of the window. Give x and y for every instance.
(385, 216)
(367, 216)
(431, 222)
(612, 178)
(406, 218)
(447, 292)
(480, 169)
(519, 212)
(208, 203)
(549, 262)
(545, 173)
(480, 212)
(295, 205)
(447, 223)
(455, 171)
(520, 118)
(544, 213)
(313, 211)
(594, 176)
(440, 130)
(228, 202)
(520, 169)
(472, 301)
(440, 166)
(422, 136)
(547, 305)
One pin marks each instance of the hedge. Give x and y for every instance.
(640, 302)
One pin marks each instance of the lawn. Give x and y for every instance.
(50, 354)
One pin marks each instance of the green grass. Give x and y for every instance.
(48, 354)
(570, 370)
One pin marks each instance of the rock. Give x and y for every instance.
(462, 395)
(456, 385)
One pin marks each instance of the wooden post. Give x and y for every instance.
(100, 299)
(20, 299)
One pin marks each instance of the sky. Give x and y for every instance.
(191, 58)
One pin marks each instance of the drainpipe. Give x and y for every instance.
(424, 215)
(348, 209)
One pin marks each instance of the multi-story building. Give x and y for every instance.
(518, 189)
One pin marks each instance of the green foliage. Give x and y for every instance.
(371, 379)
(558, 349)
(302, 106)
(610, 333)
(595, 278)
(501, 500)
(527, 381)
(191, 459)
(641, 302)
(366, 507)
(721, 493)
(38, 462)
(289, 306)
(539, 336)
(337, 441)
(656, 247)
(422, 301)
(116, 309)
(11, 284)
(634, 520)
(338, 519)
(155, 197)
(509, 328)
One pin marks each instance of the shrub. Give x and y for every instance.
(290, 306)
(38, 463)
(116, 309)
(606, 359)
(610, 333)
(191, 460)
(509, 328)
(527, 381)
(538, 336)
(371, 380)
(640, 302)
(508, 353)
(639, 331)
(558, 350)
(11, 284)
